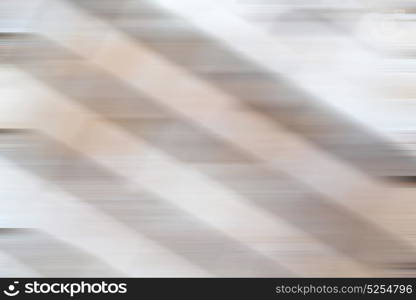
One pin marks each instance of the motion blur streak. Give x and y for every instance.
(248, 138)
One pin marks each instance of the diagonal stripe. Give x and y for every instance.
(271, 94)
(42, 252)
(176, 182)
(68, 74)
(153, 217)
(61, 215)
(335, 225)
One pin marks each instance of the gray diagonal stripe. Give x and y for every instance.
(271, 94)
(154, 217)
(51, 257)
(332, 224)
(113, 99)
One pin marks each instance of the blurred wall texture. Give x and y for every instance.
(201, 138)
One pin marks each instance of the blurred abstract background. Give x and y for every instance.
(201, 138)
